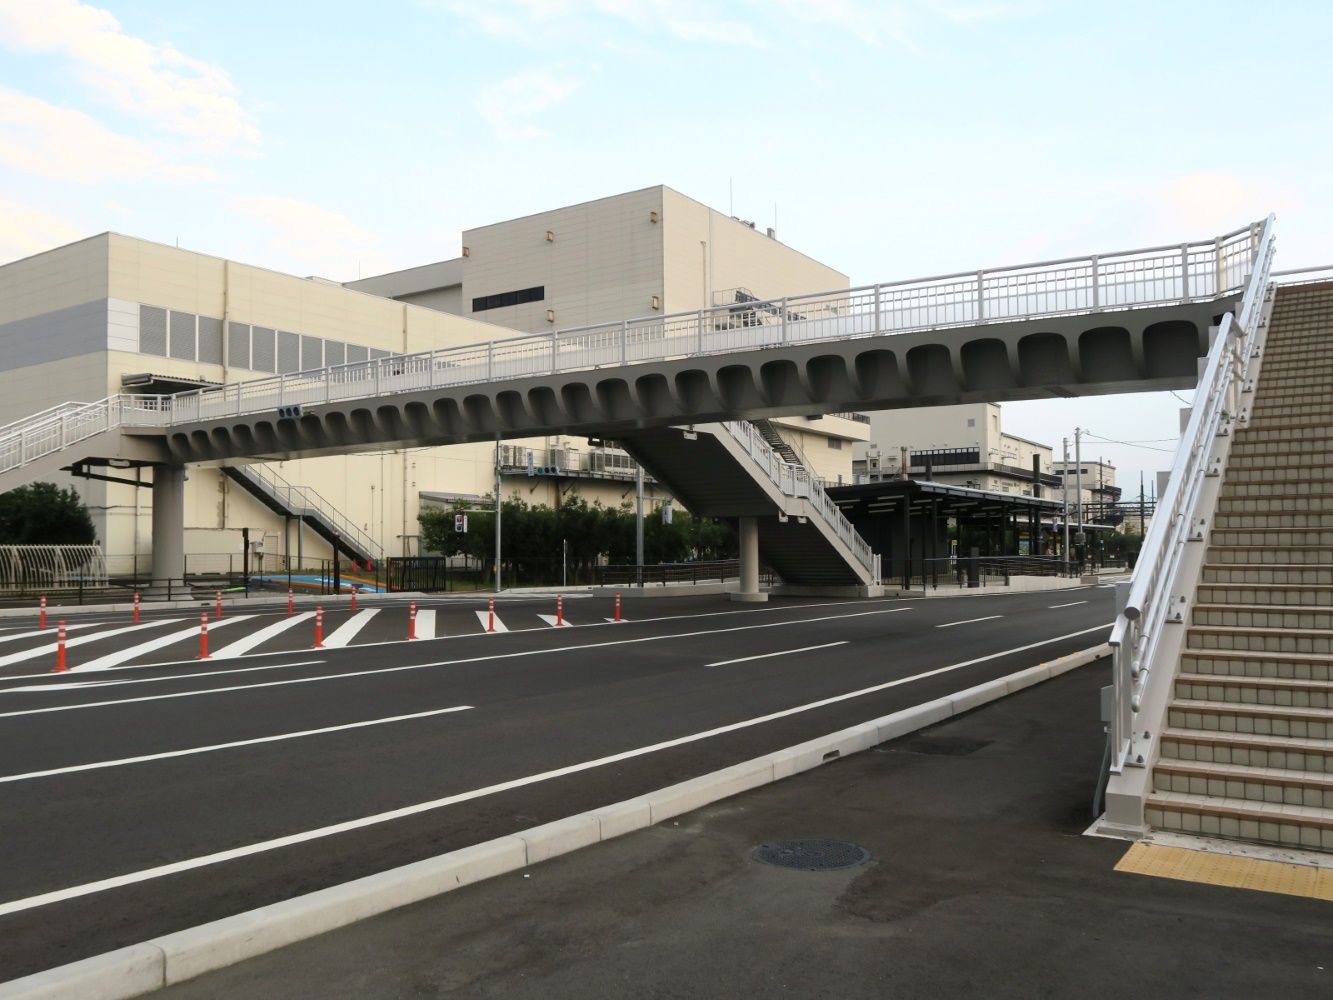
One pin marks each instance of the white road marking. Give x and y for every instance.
(152, 645)
(48, 631)
(1071, 604)
(305, 836)
(550, 620)
(85, 685)
(347, 631)
(968, 621)
(374, 671)
(263, 635)
(785, 652)
(615, 620)
(48, 650)
(145, 758)
(484, 618)
(426, 624)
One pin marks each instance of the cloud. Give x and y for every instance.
(25, 231)
(1205, 202)
(152, 81)
(63, 144)
(511, 104)
(309, 239)
(550, 23)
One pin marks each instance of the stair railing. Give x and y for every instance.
(1153, 600)
(299, 499)
(797, 481)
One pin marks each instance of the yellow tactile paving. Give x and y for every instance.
(1228, 870)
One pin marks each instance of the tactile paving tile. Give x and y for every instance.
(1228, 870)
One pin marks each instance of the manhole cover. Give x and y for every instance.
(811, 855)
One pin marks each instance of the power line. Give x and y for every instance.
(1132, 444)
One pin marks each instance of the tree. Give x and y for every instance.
(44, 514)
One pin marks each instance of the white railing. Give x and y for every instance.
(304, 501)
(1152, 602)
(797, 481)
(1303, 275)
(51, 567)
(1186, 272)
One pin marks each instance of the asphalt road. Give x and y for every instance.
(145, 791)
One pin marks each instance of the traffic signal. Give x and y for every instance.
(460, 524)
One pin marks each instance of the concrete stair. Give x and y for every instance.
(1247, 752)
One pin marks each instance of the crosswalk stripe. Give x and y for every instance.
(550, 620)
(484, 618)
(614, 620)
(243, 646)
(347, 631)
(48, 631)
(121, 656)
(50, 648)
(426, 624)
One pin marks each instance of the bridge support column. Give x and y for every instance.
(749, 538)
(168, 522)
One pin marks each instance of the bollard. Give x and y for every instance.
(218, 616)
(291, 608)
(319, 629)
(490, 614)
(559, 610)
(617, 605)
(412, 620)
(136, 607)
(203, 636)
(61, 665)
(353, 598)
(41, 615)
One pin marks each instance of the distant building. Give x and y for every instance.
(1101, 495)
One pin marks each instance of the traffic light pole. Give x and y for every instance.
(497, 513)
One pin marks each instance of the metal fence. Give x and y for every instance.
(29, 569)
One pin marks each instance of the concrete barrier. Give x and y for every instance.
(173, 958)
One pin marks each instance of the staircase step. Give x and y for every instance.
(1263, 720)
(1312, 520)
(1257, 555)
(1240, 819)
(1315, 756)
(1260, 638)
(1280, 692)
(1256, 664)
(1280, 473)
(1270, 785)
(1285, 432)
(1273, 574)
(1310, 503)
(1261, 616)
(1233, 490)
(1293, 595)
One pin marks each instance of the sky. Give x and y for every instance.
(888, 139)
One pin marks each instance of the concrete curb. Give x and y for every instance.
(173, 958)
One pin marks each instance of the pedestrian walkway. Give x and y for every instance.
(979, 883)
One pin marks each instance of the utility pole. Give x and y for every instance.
(497, 513)
(638, 521)
(1142, 518)
(1080, 538)
(1064, 486)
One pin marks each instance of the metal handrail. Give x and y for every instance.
(1187, 272)
(798, 481)
(299, 498)
(1137, 632)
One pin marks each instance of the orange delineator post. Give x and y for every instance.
(219, 614)
(490, 614)
(203, 636)
(61, 665)
(136, 607)
(559, 610)
(412, 620)
(291, 608)
(354, 599)
(617, 605)
(41, 615)
(319, 629)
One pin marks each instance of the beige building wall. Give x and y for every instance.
(708, 252)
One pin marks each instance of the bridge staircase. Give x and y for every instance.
(729, 470)
(307, 506)
(1247, 752)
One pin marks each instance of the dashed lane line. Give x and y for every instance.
(306, 836)
(193, 676)
(783, 652)
(234, 744)
(1071, 604)
(969, 621)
